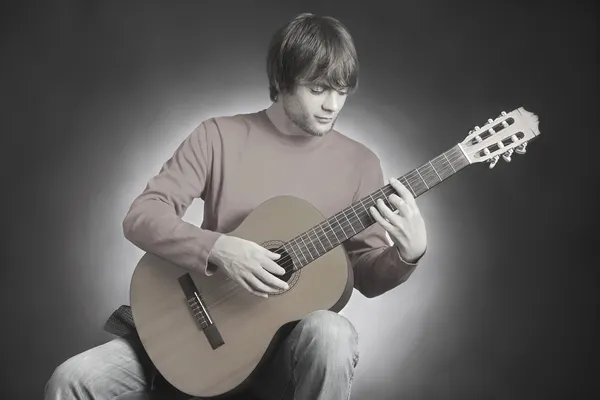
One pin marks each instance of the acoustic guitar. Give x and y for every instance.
(208, 336)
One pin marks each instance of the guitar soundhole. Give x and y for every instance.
(292, 275)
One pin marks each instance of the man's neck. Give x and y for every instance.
(281, 121)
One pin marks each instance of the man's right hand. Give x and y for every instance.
(248, 264)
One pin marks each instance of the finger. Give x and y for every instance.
(273, 267)
(386, 225)
(403, 191)
(246, 286)
(266, 277)
(272, 255)
(385, 210)
(400, 204)
(258, 284)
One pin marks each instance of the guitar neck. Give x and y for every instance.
(352, 220)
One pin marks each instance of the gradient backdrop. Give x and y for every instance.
(97, 95)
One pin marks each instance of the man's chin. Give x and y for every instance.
(319, 132)
(322, 130)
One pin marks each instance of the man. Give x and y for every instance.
(235, 163)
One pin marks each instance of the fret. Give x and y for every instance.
(308, 239)
(454, 157)
(300, 249)
(363, 206)
(321, 243)
(444, 171)
(349, 222)
(385, 200)
(368, 216)
(314, 244)
(311, 242)
(432, 167)
(357, 217)
(373, 202)
(306, 247)
(341, 227)
(332, 230)
(426, 176)
(430, 175)
(411, 188)
(289, 244)
(449, 162)
(417, 184)
(422, 178)
(326, 236)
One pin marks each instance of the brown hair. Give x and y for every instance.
(311, 49)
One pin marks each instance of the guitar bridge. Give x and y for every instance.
(200, 312)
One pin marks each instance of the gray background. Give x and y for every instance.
(97, 95)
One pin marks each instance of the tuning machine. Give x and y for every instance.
(521, 149)
(493, 161)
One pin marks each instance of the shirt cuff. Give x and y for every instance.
(416, 262)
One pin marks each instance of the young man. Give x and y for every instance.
(235, 163)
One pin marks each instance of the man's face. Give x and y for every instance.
(314, 108)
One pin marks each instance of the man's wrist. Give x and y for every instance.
(409, 260)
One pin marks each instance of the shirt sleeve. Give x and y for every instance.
(377, 265)
(154, 221)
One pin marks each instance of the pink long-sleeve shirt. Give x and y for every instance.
(234, 163)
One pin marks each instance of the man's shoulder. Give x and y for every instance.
(232, 122)
(354, 147)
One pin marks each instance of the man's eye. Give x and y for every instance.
(317, 90)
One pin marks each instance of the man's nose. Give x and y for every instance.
(332, 101)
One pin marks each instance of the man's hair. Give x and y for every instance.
(311, 49)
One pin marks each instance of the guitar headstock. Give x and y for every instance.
(501, 136)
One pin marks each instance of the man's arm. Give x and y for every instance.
(153, 222)
(378, 266)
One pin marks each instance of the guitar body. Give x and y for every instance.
(250, 326)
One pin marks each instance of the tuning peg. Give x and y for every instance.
(507, 155)
(493, 161)
(521, 149)
(503, 113)
(490, 121)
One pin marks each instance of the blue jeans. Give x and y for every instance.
(316, 361)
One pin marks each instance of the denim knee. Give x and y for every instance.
(329, 337)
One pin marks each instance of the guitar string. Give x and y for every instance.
(228, 286)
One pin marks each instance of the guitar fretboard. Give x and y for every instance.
(352, 220)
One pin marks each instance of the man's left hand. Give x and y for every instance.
(406, 227)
